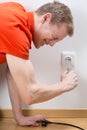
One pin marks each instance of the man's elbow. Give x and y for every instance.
(28, 101)
(30, 97)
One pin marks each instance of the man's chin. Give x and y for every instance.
(37, 47)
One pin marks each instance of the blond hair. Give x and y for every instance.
(60, 14)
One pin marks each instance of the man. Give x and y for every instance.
(18, 28)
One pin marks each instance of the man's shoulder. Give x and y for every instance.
(11, 6)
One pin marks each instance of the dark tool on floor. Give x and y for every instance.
(45, 123)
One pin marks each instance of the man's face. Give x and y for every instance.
(49, 34)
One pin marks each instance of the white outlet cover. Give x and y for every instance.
(65, 54)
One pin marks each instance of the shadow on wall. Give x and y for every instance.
(2, 74)
(2, 78)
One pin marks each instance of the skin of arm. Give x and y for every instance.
(17, 105)
(29, 90)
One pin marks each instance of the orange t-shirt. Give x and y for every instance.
(16, 30)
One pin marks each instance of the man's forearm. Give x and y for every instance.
(40, 92)
(14, 97)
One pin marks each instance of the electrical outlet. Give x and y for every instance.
(68, 60)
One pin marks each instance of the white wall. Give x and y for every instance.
(47, 64)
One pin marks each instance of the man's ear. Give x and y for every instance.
(46, 17)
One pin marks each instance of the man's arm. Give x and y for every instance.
(17, 105)
(32, 92)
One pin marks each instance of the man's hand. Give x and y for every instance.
(31, 121)
(69, 80)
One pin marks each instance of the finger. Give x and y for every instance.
(63, 75)
(37, 124)
(39, 118)
(66, 72)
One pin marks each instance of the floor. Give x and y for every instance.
(10, 124)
